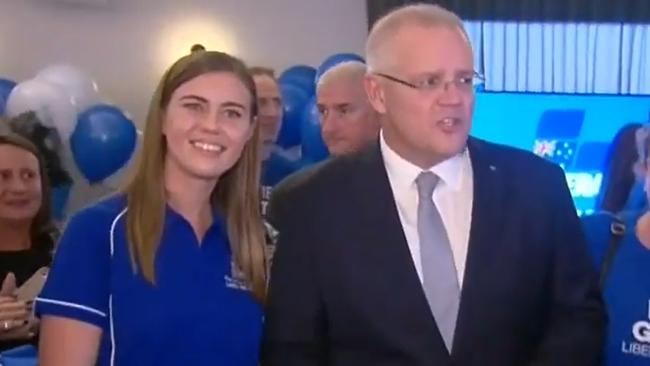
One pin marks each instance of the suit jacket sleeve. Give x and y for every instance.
(294, 331)
(576, 325)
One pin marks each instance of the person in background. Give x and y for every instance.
(50, 147)
(619, 178)
(173, 270)
(348, 121)
(620, 248)
(429, 247)
(26, 233)
(269, 104)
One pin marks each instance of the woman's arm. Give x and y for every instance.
(68, 342)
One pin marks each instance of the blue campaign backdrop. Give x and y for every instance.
(572, 130)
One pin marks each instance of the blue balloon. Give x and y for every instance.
(302, 76)
(334, 60)
(313, 147)
(102, 142)
(6, 86)
(60, 196)
(294, 100)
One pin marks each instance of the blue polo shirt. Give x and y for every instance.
(197, 313)
(626, 292)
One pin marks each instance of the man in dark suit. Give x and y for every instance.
(429, 248)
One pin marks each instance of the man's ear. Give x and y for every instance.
(375, 92)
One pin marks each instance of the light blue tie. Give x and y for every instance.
(440, 280)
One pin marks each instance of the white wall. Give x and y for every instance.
(126, 45)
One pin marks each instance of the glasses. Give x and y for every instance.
(464, 83)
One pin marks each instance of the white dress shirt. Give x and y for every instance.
(453, 197)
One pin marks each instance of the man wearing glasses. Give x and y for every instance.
(431, 247)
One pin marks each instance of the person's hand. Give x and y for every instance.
(15, 315)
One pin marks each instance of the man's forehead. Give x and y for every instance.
(340, 95)
(264, 81)
(421, 49)
(267, 90)
(340, 85)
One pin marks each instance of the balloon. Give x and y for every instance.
(118, 179)
(53, 106)
(60, 196)
(6, 86)
(313, 147)
(102, 142)
(77, 83)
(302, 76)
(294, 100)
(334, 60)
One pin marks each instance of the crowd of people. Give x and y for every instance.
(413, 244)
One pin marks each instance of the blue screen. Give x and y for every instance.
(574, 131)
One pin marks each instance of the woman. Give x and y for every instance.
(618, 171)
(25, 233)
(173, 271)
(621, 250)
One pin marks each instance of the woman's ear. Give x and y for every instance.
(251, 130)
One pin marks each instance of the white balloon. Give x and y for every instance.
(53, 105)
(76, 82)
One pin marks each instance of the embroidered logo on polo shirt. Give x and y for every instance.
(236, 280)
(640, 346)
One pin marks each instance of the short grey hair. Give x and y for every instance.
(421, 14)
(344, 70)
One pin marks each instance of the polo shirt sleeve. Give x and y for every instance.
(78, 284)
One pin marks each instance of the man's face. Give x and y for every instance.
(430, 120)
(348, 121)
(269, 104)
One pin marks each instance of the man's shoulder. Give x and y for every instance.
(513, 159)
(328, 174)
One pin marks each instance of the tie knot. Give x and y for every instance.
(426, 183)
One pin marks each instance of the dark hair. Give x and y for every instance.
(48, 143)
(197, 47)
(618, 171)
(260, 70)
(42, 229)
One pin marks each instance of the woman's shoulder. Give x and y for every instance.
(102, 213)
(601, 227)
(598, 223)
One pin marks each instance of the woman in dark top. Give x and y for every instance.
(25, 233)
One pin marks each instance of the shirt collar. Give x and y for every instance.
(402, 173)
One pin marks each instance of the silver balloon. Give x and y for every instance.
(53, 105)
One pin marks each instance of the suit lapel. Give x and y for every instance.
(387, 252)
(487, 221)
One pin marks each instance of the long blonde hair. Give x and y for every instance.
(236, 195)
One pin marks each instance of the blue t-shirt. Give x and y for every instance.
(195, 314)
(276, 168)
(626, 292)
